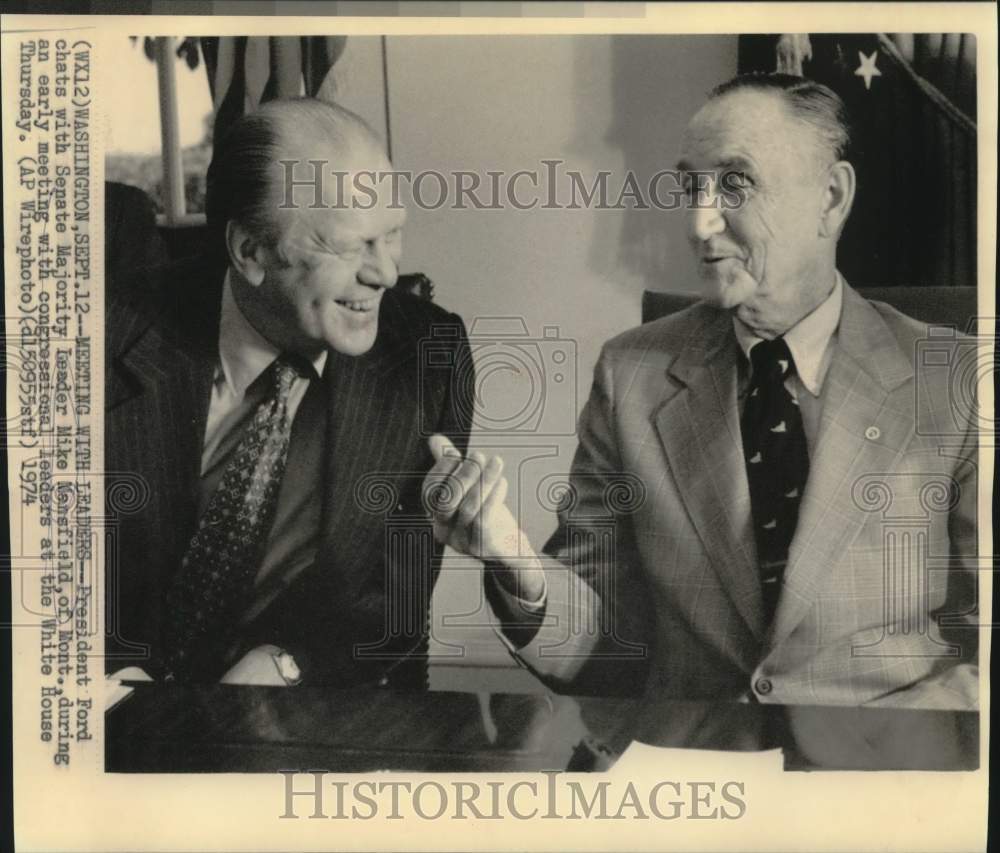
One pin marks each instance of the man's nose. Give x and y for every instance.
(706, 216)
(379, 266)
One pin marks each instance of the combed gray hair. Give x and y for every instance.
(812, 102)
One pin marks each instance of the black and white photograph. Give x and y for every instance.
(510, 404)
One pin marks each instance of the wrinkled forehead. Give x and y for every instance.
(747, 125)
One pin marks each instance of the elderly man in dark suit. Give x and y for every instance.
(266, 406)
(800, 523)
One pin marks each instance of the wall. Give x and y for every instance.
(613, 103)
(357, 81)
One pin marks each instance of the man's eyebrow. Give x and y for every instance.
(336, 242)
(726, 163)
(741, 164)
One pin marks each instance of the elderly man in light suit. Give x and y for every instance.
(762, 554)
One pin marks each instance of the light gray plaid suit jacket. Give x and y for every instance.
(652, 573)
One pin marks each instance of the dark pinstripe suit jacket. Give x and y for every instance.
(361, 612)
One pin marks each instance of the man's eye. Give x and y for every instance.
(736, 181)
(737, 189)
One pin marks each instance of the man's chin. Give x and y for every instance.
(348, 332)
(730, 291)
(351, 344)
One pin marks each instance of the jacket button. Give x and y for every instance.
(763, 686)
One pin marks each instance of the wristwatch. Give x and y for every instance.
(287, 668)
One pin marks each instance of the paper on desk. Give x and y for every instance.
(115, 691)
(642, 758)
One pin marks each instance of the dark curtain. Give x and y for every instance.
(914, 218)
(246, 71)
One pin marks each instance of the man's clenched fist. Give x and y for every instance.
(466, 501)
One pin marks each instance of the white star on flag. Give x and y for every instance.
(779, 428)
(783, 362)
(794, 493)
(755, 458)
(867, 69)
(771, 524)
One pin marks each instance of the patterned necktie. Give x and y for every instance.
(218, 569)
(777, 460)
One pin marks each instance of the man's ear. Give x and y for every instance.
(838, 196)
(246, 253)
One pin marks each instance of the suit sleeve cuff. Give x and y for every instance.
(518, 618)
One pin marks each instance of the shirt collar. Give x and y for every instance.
(807, 340)
(243, 352)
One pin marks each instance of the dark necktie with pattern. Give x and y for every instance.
(777, 460)
(223, 557)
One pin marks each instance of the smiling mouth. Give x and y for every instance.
(361, 306)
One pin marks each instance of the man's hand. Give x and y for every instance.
(466, 501)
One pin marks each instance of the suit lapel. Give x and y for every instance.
(166, 365)
(866, 424)
(372, 425)
(178, 384)
(699, 429)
